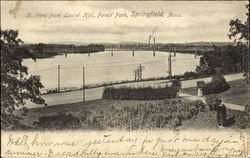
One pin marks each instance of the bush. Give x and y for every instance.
(243, 121)
(217, 85)
(190, 74)
(141, 93)
(200, 84)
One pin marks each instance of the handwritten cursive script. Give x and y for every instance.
(152, 144)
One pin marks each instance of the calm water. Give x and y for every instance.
(102, 67)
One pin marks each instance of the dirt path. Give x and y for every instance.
(228, 105)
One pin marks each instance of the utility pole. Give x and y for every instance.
(83, 84)
(154, 47)
(170, 66)
(140, 72)
(136, 73)
(140, 69)
(195, 52)
(58, 88)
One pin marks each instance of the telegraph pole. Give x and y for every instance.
(83, 84)
(140, 69)
(195, 52)
(154, 47)
(170, 66)
(58, 78)
(136, 74)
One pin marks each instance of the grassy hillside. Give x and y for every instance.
(238, 93)
(127, 115)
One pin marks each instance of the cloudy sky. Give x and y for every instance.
(199, 21)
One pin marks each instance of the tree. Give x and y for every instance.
(239, 31)
(224, 59)
(203, 68)
(16, 85)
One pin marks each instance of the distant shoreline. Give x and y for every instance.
(42, 50)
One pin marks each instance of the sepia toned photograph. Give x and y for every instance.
(125, 79)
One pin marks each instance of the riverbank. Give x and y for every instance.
(183, 77)
(43, 50)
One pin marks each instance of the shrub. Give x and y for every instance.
(217, 85)
(243, 121)
(200, 84)
(141, 93)
(13, 123)
(190, 74)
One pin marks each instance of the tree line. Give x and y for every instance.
(43, 50)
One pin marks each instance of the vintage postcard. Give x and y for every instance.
(125, 79)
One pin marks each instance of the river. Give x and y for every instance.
(103, 67)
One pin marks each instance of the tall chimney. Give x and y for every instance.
(154, 40)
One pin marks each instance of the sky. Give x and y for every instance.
(196, 21)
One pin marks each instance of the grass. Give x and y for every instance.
(238, 93)
(202, 120)
(207, 120)
(33, 114)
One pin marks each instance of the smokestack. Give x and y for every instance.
(149, 38)
(154, 46)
